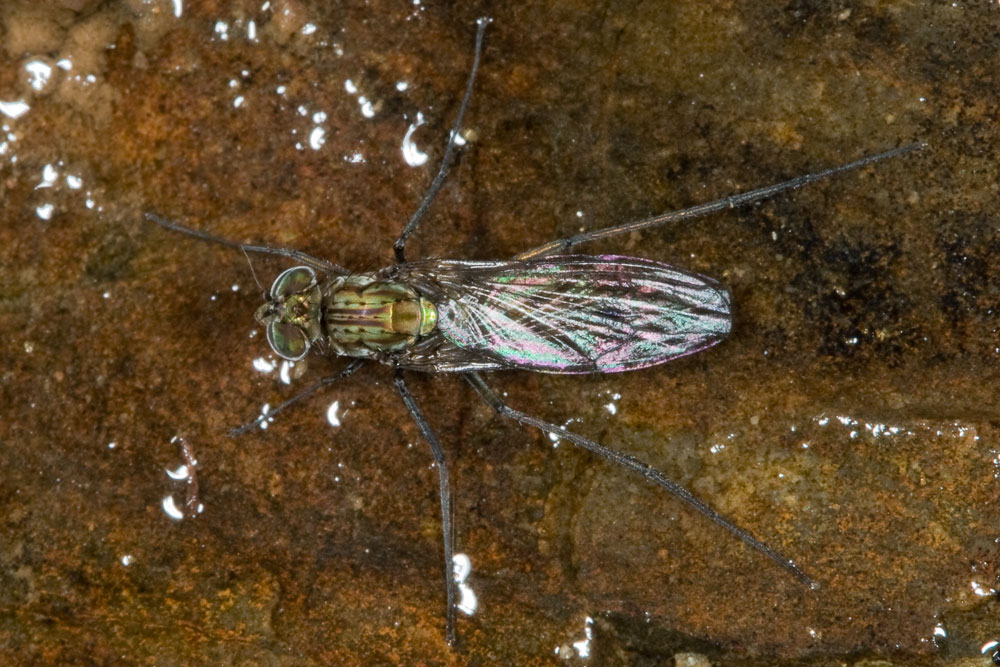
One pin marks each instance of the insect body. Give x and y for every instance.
(540, 311)
(557, 314)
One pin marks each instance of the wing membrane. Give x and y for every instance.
(572, 313)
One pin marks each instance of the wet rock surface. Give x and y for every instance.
(850, 420)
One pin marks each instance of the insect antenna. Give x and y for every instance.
(308, 391)
(253, 273)
(732, 201)
(652, 474)
(411, 226)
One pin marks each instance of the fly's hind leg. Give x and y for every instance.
(732, 201)
(652, 474)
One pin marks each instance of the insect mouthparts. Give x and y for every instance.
(265, 313)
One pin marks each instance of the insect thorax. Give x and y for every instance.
(366, 317)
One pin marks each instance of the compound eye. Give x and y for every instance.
(287, 340)
(292, 281)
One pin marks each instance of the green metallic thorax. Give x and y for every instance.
(364, 317)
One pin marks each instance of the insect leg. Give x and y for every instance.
(411, 226)
(346, 371)
(297, 255)
(634, 464)
(732, 201)
(444, 489)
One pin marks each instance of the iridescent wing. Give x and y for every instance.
(566, 314)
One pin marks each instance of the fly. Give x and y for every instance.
(544, 310)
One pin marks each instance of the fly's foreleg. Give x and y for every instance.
(308, 391)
